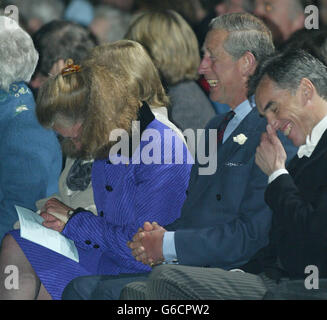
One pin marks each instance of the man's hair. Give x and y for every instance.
(288, 69)
(246, 33)
(61, 40)
(105, 95)
(171, 43)
(18, 57)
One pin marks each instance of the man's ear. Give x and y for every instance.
(307, 91)
(248, 64)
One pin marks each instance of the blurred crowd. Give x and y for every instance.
(108, 21)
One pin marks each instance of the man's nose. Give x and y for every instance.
(204, 65)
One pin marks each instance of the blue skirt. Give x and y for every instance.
(54, 270)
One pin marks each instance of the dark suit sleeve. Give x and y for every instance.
(231, 244)
(301, 237)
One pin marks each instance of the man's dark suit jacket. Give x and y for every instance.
(225, 220)
(299, 204)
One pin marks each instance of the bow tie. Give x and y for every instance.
(306, 150)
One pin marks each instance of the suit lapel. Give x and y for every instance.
(248, 127)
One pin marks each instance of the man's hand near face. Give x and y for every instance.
(147, 244)
(270, 155)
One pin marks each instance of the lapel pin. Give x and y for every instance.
(240, 139)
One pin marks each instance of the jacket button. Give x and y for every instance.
(109, 188)
(88, 242)
(96, 246)
(101, 213)
(186, 192)
(218, 196)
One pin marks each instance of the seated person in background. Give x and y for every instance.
(283, 17)
(35, 13)
(224, 219)
(173, 47)
(91, 105)
(109, 24)
(30, 155)
(79, 11)
(56, 42)
(291, 92)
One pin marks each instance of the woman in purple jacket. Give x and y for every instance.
(142, 177)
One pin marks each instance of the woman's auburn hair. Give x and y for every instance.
(171, 43)
(105, 95)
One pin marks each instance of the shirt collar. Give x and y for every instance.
(313, 140)
(242, 109)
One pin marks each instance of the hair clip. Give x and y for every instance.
(70, 67)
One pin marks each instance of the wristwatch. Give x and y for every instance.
(71, 212)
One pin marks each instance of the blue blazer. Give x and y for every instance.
(225, 220)
(126, 196)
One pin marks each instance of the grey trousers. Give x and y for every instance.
(175, 282)
(103, 287)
